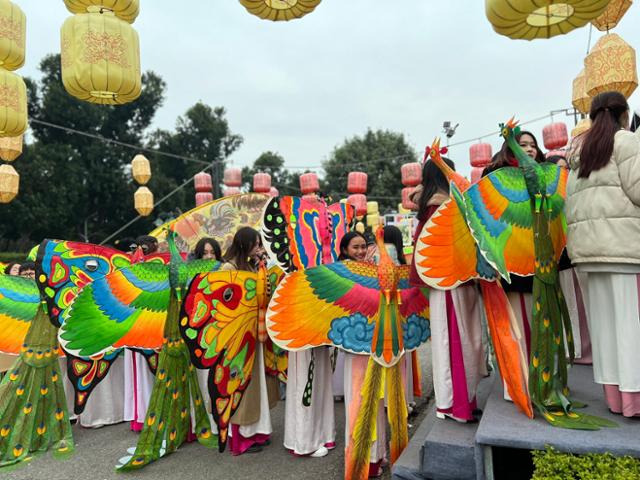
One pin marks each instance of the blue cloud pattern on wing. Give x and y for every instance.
(415, 331)
(353, 333)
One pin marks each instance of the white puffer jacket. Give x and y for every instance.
(603, 211)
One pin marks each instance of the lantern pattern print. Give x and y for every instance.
(612, 15)
(11, 148)
(611, 65)
(13, 26)
(579, 98)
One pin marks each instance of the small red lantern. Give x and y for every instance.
(555, 135)
(203, 197)
(357, 182)
(273, 191)
(480, 155)
(230, 191)
(359, 201)
(262, 182)
(406, 202)
(202, 182)
(411, 174)
(233, 177)
(556, 153)
(309, 183)
(310, 197)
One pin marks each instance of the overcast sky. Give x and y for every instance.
(301, 87)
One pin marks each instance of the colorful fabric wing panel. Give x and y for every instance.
(556, 180)
(126, 308)
(86, 373)
(219, 219)
(276, 361)
(292, 232)
(414, 309)
(19, 301)
(334, 304)
(218, 322)
(342, 217)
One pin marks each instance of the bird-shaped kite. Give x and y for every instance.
(365, 309)
(221, 320)
(63, 269)
(33, 407)
(446, 256)
(137, 306)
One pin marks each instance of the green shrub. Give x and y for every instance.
(553, 465)
(8, 257)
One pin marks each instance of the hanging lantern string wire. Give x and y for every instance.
(121, 144)
(166, 197)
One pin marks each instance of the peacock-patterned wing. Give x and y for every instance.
(219, 322)
(86, 373)
(19, 300)
(292, 232)
(219, 219)
(342, 217)
(556, 182)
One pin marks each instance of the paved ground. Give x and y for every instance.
(97, 452)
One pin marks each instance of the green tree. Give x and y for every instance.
(273, 164)
(73, 183)
(378, 153)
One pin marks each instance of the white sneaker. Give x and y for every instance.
(321, 452)
(443, 416)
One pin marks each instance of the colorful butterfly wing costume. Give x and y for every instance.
(137, 307)
(219, 323)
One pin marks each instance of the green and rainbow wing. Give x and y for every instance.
(19, 300)
(219, 323)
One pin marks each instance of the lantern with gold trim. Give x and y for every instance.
(141, 169)
(279, 10)
(100, 56)
(126, 10)
(582, 126)
(611, 15)
(9, 183)
(611, 65)
(143, 201)
(531, 19)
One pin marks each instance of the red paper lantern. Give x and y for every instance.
(310, 197)
(273, 191)
(309, 183)
(203, 197)
(359, 201)
(406, 202)
(262, 182)
(233, 177)
(555, 135)
(357, 182)
(476, 173)
(230, 191)
(558, 153)
(480, 155)
(411, 174)
(202, 182)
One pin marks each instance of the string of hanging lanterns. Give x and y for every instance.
(143, 198)
(100, 51)
(13, 96)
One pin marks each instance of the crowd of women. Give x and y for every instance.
(600, 277)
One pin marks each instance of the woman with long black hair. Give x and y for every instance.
(603, 216)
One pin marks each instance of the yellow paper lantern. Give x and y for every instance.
(612, 15)
(402, 210)
(10, 148)
(141, 169)
(611, 65)
(143, 201)
(13, 26)
(373, 220)
(13, 104)
(360, 227)
(582, 126)
(372, 207)
(579, 98)
(278, 10)
(9, 183)
(127, 10)
(530, 19)
(100, 56)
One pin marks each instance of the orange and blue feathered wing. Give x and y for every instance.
(339, 304)
(219, 324)
(19, 301)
